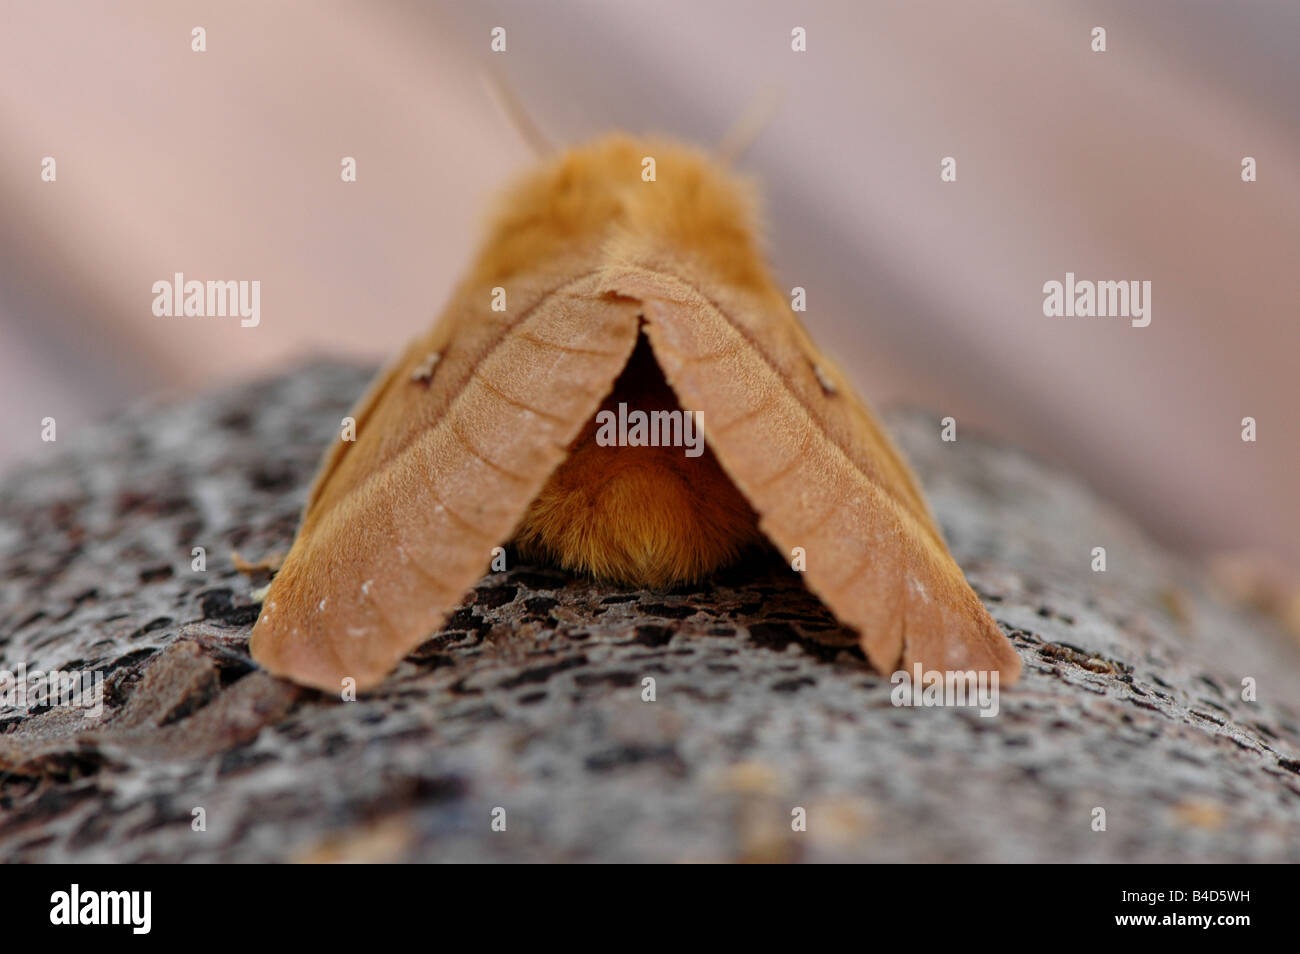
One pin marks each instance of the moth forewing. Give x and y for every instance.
(876, 558)
(390, 558)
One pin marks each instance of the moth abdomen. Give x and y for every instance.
(647, 508)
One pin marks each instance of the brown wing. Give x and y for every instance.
(819, 471)
(402, 522)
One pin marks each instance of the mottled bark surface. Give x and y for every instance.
(531, 698)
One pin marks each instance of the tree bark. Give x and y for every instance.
(530, 700)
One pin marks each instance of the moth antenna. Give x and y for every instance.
(515, 113)
(749, 125)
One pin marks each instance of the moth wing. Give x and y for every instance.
(819, 471)
(382, 386)
(401, 524)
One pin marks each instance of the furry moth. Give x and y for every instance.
(654, 294)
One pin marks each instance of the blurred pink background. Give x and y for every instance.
(1120, 165)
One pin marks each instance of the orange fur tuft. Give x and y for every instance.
(592, 199)
(642, 516)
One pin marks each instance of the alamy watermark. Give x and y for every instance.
(947, 687)
(130, 908)
(179, 298)
(651, 429)
(74, 689)
(1088, 299)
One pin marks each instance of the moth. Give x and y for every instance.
(596, 286)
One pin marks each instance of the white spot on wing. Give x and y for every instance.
(424, 372)
(828, 386)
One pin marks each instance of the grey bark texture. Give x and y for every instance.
(530, 699)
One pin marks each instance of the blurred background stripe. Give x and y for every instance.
(1122, 165)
